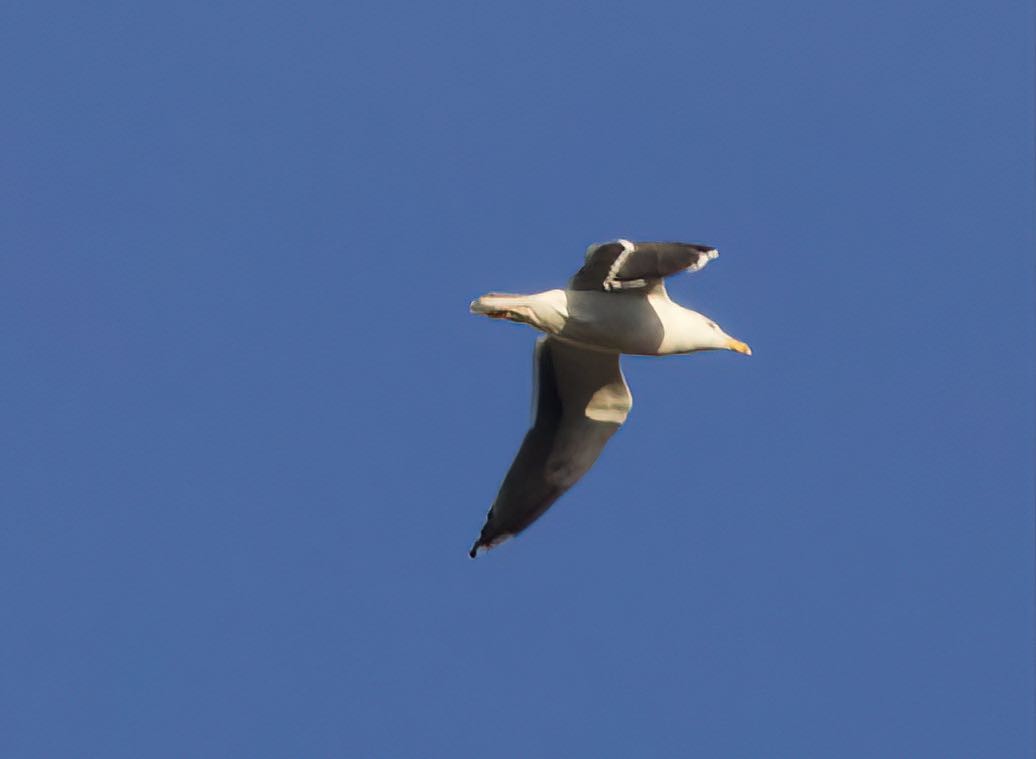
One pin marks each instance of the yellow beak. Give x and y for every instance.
(740, 347)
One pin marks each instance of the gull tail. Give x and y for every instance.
(502, 306)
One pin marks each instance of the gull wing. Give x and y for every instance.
(580, 400)
(624, 265)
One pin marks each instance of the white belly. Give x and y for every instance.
(623, 322)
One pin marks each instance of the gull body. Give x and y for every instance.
(637, 324)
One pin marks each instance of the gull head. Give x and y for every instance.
(710, 336)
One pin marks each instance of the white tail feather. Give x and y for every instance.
(499, 305)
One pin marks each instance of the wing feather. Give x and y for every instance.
(581, 400)
(624, 265)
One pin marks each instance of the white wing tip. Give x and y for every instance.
(481, 547)
(709, 255)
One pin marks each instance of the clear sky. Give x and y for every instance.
(249, 429)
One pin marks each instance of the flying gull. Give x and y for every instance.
(616, 303)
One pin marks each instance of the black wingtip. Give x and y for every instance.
(474, 551)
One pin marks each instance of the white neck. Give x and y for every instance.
(685, 330)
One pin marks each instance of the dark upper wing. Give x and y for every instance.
(625, 265)
(581, 400)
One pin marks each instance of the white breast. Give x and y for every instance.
(683, 330)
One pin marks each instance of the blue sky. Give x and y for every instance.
(250, 430)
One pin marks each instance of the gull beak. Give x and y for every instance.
(740, 347)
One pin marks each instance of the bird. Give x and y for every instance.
(615, 304)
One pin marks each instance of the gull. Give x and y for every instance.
(616, 303)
